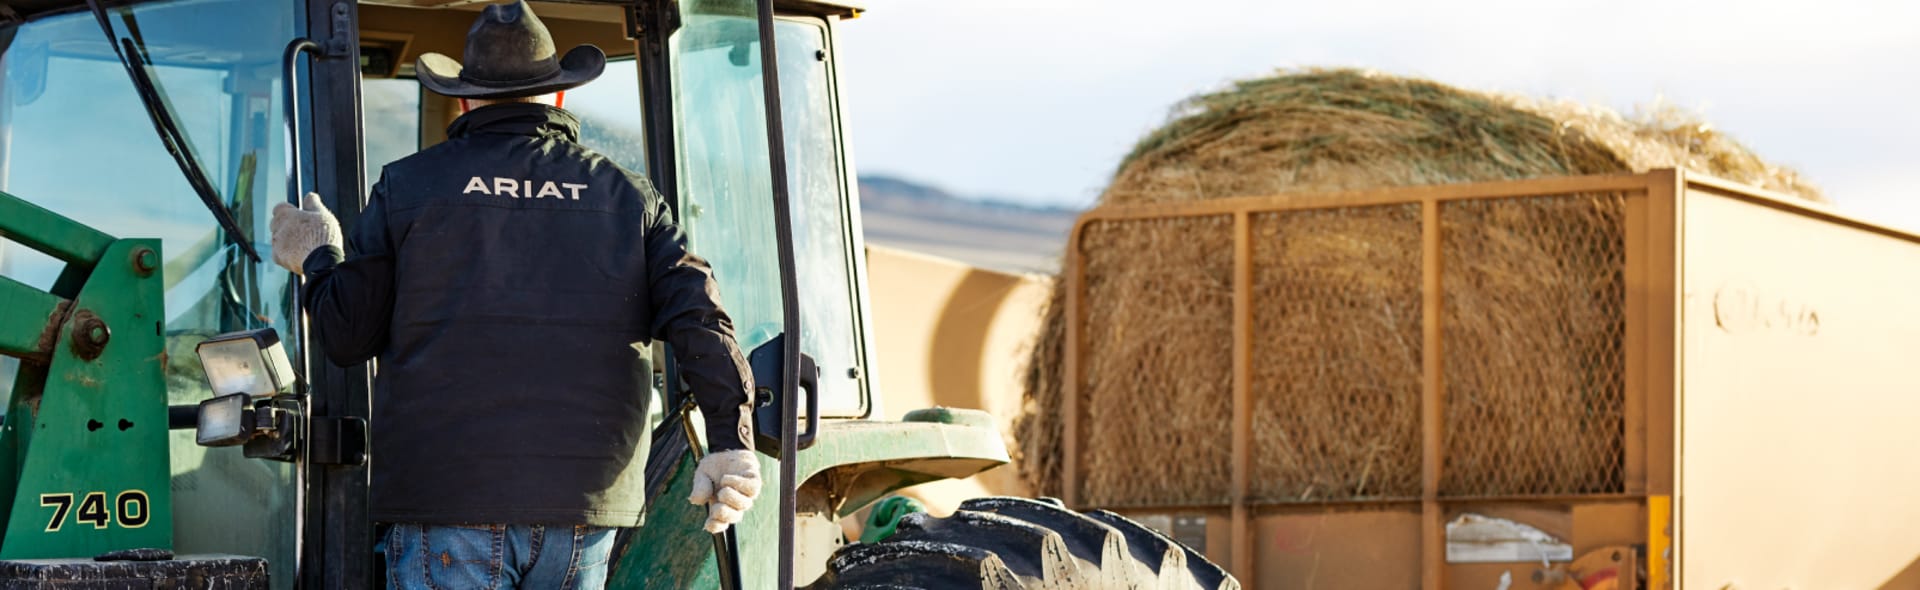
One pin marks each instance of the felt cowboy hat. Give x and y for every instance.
(509, 55)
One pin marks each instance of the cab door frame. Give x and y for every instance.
(336, 530)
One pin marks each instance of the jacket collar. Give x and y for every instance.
(517, 118)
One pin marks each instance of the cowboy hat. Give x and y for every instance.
(509, 55)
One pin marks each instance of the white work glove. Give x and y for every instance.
(726, 483)
(298, 231)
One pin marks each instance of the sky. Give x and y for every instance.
(1036, 101)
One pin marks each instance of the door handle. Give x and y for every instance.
(809, 388)
(290, 103)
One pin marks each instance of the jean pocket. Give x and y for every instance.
(596, 546)
(460, 557)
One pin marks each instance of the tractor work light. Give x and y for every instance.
(251, 362)
(244, 369)
(225, 421)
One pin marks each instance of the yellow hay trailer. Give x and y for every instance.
(1744, 415)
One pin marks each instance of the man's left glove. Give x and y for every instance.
(726, 482)
(298, 231)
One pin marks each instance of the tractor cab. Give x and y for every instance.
(168, 424)
(142, 146)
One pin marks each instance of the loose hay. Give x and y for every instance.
(1532, 319)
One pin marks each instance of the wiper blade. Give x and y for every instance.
(170, 135)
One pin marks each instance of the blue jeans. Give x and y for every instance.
(497, 557)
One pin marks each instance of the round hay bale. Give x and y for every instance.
(1533, 328)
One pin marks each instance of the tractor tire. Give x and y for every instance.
(1020, 544)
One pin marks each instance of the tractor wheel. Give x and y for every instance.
(1016, 543)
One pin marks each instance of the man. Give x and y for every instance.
(504, 278)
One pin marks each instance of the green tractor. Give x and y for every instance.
(159, 434)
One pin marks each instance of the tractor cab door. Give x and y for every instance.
(723, 180)
(709, 89)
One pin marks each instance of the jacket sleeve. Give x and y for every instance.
(687, 315)
(349, 299)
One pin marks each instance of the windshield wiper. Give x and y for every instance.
(170, 135)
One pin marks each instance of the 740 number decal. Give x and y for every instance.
(131, 509)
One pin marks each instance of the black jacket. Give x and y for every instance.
(504, 279)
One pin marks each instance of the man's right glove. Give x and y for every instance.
(726, 482)
(298, 231)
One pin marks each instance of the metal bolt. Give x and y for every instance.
(853, 372)
(145, 261)
(90, 334)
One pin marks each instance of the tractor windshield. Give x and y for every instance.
(75, 138)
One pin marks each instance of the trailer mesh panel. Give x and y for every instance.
(1532, 325)
(1336, 354)
(1532, 321)
(1163, 389)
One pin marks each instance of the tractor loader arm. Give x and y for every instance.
(86, 424)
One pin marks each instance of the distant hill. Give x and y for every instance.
(988, 233)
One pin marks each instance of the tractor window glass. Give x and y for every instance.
(391, 109)
(75, 139)
(814, 172)
(609, 112)
(725, 187)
